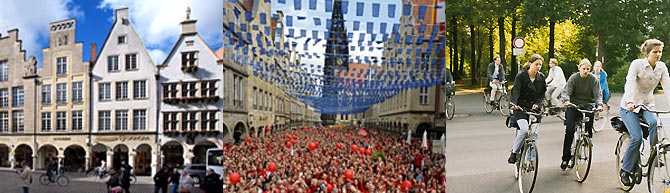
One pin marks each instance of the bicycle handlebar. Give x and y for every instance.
(539, 113)
(650, 110)
(582, 110)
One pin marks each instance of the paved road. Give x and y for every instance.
(78, 184)
(478, 145)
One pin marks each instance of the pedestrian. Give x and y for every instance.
(174, 180)
(161, 180)
(125, 176)
(212, 182)
(114, 182)
(185, 182)
(26, 177)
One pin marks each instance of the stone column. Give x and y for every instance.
(110, 155)
(60, 160)
(131, 160)
(188, 155)
(87, 162)
(12, 158)
(155, 156)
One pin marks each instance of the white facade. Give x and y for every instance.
(191, 96)
(123, 88)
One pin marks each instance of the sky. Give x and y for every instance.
(156, 22)
(289, 10)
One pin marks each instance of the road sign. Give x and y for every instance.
(518, 51)
(518, 42)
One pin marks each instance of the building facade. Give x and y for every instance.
(124, 120)
(190, 86)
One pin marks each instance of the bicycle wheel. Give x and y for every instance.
(658, 178)
(620, 151)
(487, 106)
(582, 158)
(44, 179)
(451, 107)
(63, 180)
(133, 179)
(504, 105)
(601, 119)
(528, 167)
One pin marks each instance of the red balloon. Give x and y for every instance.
(311, 146)
(267, 129)
(368, 151)
(294, 142)
(349, 174)
(234, 178)
(316, 143)
(288, 144)
(249, 139)
(354, 148)
(361, 150)
(406, 185)
(338, 145)
(330, 188)
(272, 166)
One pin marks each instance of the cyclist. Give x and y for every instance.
(643, 76)
(449, 80)
(527, 93)
(587, 93)
(601, 75)
(555, 83)
(495, 74)
(51, 170)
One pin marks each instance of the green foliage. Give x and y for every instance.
(618, 80)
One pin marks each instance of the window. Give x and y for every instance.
(46, 94)
(140, 89)
(131, 61)
(4, 74)
(139, 119)
(208, 88)
(170, 121)
(121, 123)
(4, 97)
(423, 95)
(208, 120)
(61, 65)
(189, 59)
(121, 90)
(77, 120)
(17, 94)
(189, 121)
(46, 121)
(104, 120)
(4, 122)
(61, 93)
(112, 63)
(236, 96)
(122, 39)
(105, 91)
(170, 90)
(77, 92)
(188, 89)
(254, 98)
(61, 121)
(271, 101)
(17, 121)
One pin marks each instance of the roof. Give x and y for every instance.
(219, 53)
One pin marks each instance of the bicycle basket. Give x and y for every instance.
(617, 124)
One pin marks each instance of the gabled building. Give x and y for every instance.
(63, 101)
(191, 87)
(125, 110)
(17, 105)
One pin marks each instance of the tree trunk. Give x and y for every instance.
(601, 50)
(456, 70)
(473, 65)
(462, 57)
(480, 50)
(552, 25)
(514, 66)
(491, 44)
(503, 41)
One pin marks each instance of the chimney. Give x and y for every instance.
(94, 55)
(188, 25)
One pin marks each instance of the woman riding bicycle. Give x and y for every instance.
(643, 76)
(601, 75)
(587, 93)
(527, 93)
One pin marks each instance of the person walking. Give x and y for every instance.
(26, 177)
(212, 182)
(161, 180)
(125, 176)
(174, 180)
(185, 182)
(114, 182)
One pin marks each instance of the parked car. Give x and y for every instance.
(196, 171)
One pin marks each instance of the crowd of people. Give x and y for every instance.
(345, 160)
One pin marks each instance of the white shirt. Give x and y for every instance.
(556, 77)
(641, 81)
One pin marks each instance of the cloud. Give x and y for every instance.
(157, 21)
(157, 56)
(34, 26)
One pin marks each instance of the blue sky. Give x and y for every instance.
(156, 22)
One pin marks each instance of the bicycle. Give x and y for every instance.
(61, 180)
(601, 118)
(550, 110)
(450, 105)
(581, 146)
(527, 161)
(658, 154)
(501, 101)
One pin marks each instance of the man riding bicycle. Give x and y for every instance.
(495, 74)
(582, 90)
(555, 83)
(450, 83)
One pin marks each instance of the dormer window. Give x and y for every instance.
(125, 21)
(122, 39)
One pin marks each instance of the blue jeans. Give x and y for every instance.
(632, 122)
(523, 131)
(174, 188)
(25, 190)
